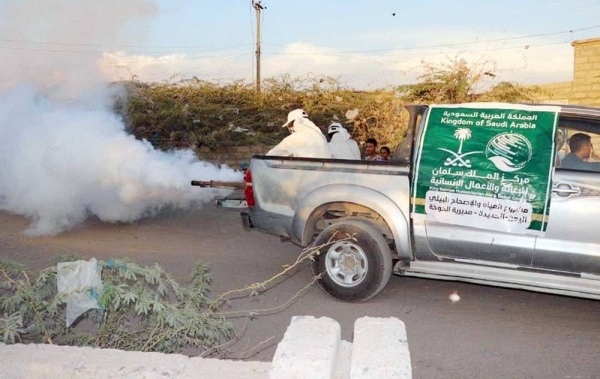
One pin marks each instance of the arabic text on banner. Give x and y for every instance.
(487, 166)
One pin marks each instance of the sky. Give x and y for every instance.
(365, 44)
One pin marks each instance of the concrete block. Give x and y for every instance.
(51, 361)
(342, 363)
(308, 350)
(380, 349)
(216, 368)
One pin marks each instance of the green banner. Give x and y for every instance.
(487, 166)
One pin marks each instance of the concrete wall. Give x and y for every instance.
(586, 77)
(585, 87)
(557, 93)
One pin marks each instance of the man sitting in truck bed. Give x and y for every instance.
(341, 145)
(306, 139)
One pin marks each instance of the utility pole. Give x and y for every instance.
(258, 7)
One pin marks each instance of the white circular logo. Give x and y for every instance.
(509, 151)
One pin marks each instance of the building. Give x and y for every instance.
(584, 89)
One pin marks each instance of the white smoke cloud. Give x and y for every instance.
(60, 164)
(58, 46)
(64, 155)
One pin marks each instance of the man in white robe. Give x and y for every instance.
(341, 145)
(306, 139)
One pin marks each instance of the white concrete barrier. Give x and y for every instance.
(380, 349)
(342, 364)
(51, 362)
(311, 348)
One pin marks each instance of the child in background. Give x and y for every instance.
(384, 153)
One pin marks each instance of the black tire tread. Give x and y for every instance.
(379, 253)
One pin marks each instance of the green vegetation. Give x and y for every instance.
(458, 82)
(195, 113)
(142, 308)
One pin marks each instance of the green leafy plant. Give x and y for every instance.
(141, 308)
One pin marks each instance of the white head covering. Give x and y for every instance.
(334, 127)
(294, 115)
(341, 145)
(340, 133)
(307, 140)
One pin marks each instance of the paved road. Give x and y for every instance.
(490, 333)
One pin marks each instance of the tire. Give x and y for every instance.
(352, 270)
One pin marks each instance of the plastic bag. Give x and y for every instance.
(80, 283)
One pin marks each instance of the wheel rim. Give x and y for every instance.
(346, 264)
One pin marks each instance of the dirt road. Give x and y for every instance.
(490, 333)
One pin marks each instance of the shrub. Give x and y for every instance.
(194, 113)
(142, 308)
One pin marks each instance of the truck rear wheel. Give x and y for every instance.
(355, 261)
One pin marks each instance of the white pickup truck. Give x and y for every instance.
(313, 201)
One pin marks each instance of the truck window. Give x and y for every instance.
(578, 146)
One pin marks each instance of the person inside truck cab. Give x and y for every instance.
(371, 150)
(340, 144)
(582, 150)
(305, 139)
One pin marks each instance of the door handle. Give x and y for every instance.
(565, 190)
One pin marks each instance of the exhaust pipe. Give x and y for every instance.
(218, 184)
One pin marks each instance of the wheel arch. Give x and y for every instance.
(311, 207)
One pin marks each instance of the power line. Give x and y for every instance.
(52, 43)
(96, 52)
(238, 54)
(111, 45)
(392, 52)
(163, 58)
(231, 56)
(167, 59)
(423, 53)
(465, 43)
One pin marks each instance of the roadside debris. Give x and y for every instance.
(454, 297)
(80, 284)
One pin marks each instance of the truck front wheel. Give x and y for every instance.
(354, 260)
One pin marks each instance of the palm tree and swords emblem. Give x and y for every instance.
(507, 151)
(459, 158)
